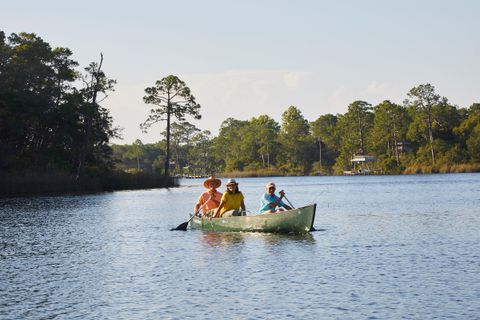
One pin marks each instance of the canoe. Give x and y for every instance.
(298, 220)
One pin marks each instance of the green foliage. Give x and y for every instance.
(139, 157)
(260, 146)
(46, 123)
(388, 134)
(469, 133)
(171, 98)
(201, 155)
(297, 145)
(52, 120)
(353, 130)
(230, 145)
(432, 119)
(325, 133)
(38, 183)
(264, 131)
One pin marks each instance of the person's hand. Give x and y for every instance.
(281, 193)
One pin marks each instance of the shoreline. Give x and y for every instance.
(55, 184)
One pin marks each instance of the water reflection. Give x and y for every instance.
(279, 238)
(218, 239)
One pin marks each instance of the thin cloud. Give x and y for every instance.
(339, 97)
(376, 89)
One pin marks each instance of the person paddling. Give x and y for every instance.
(270, 201)
(211, 198)
(231, 203)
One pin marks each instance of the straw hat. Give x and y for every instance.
(231, 181)
(216, 182)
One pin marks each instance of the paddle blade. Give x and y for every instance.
(181, 227)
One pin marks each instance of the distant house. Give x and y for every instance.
(362, 159)
(193, 171)
(361, 165)
(403, 147)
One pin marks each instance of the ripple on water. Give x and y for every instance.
(389, 247)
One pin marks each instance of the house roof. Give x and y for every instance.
(362, 158)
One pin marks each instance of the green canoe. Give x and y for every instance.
(298, 220)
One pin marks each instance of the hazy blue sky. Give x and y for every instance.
(251, 57)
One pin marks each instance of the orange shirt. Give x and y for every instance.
(210, 204)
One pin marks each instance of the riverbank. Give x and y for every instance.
(413, 169)
(31, 184)
(446, 168)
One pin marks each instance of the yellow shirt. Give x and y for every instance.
(232, 201)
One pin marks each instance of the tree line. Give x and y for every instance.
(52, 123)
(54, 132)
(51, 117)
(424, 134)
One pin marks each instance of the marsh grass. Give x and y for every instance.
(61, 183)
(444, 168)
(253, 173)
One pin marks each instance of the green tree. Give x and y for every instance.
(171, 98)
(137, 151)
(353, 130)
(297, 144)
(265, 132)
(469, 132)
(389, 129)
(46, 123)
(96, 124)
(324, 131)
(201, 153)
(27, 91)
(422, 101)
(180, 136)
(228, 147)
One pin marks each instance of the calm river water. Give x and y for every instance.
(389, 247)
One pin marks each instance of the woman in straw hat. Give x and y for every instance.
(210, 199)
(231, 203)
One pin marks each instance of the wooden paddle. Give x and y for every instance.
(183, 226)
(291, 205)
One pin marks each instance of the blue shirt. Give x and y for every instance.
(266, 200)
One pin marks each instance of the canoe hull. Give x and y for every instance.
(298, 220)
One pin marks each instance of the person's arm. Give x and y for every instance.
(281, 203)
(199, 203)
(217, 211)
(274, 204)
(266, 201)
(242, 205)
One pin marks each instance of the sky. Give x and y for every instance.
(246, 58)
